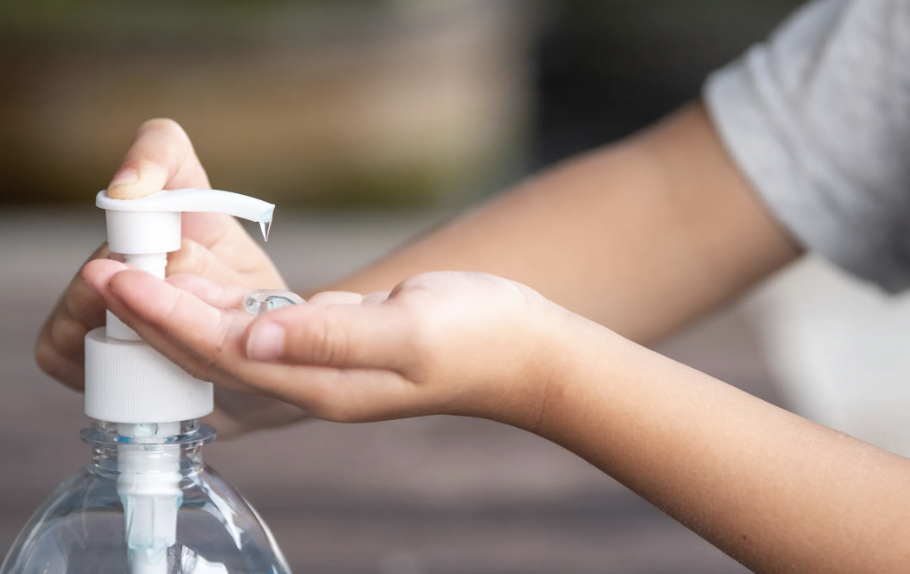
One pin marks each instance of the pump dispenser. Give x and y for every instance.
(126, 382)
(146, 503)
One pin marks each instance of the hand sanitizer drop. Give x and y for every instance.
(146, 504)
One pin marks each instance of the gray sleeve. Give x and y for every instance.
(818, 119)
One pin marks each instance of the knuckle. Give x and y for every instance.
(422, 345)
(83, 304)
(431, 281)
(419, 333)
(186, 259)
(67, 335)
(326, 341)
(416, 283)
(196, 259)
(56, 366)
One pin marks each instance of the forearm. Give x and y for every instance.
(641, 236)
(777, 492)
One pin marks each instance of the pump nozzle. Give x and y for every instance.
(151, 225)
(193, 200)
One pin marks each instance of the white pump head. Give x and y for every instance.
(151, 224)
(126, 381)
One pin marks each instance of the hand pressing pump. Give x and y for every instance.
(146, 504)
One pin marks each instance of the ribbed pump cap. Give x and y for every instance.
(126, 380)
(130, 382)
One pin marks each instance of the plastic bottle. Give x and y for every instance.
(146, 503)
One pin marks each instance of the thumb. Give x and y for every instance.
(160, 157)
(383, 336)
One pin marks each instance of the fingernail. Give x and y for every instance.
(266, 342)
(125, 177)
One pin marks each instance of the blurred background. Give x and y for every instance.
(368, 122)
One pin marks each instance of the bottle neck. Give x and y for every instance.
(147, 447)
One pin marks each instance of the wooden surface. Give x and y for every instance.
(434, 495)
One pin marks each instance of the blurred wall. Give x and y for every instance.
(351, 102)
(609, 67)
(333, 101)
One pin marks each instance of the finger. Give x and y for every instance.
(210, 229)
(82, 304)
(100, 275)
(228, 241)
(327, 298)
(79, 301)
(67, 336)
(156, 302)
(196, 259)
(201, 340)
(214, 294)
(58, 366)
(61, 338)
(160, 157)
(343, 336)
(375, 298)
(97, 274)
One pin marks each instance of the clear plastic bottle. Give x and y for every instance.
(146, 504)
(86, 527)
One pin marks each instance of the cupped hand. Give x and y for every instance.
(214, 246)
(453, 343)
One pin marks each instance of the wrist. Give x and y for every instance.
(566, 353)
(582, 359)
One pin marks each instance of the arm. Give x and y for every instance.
(773, 490)
(641, 236)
